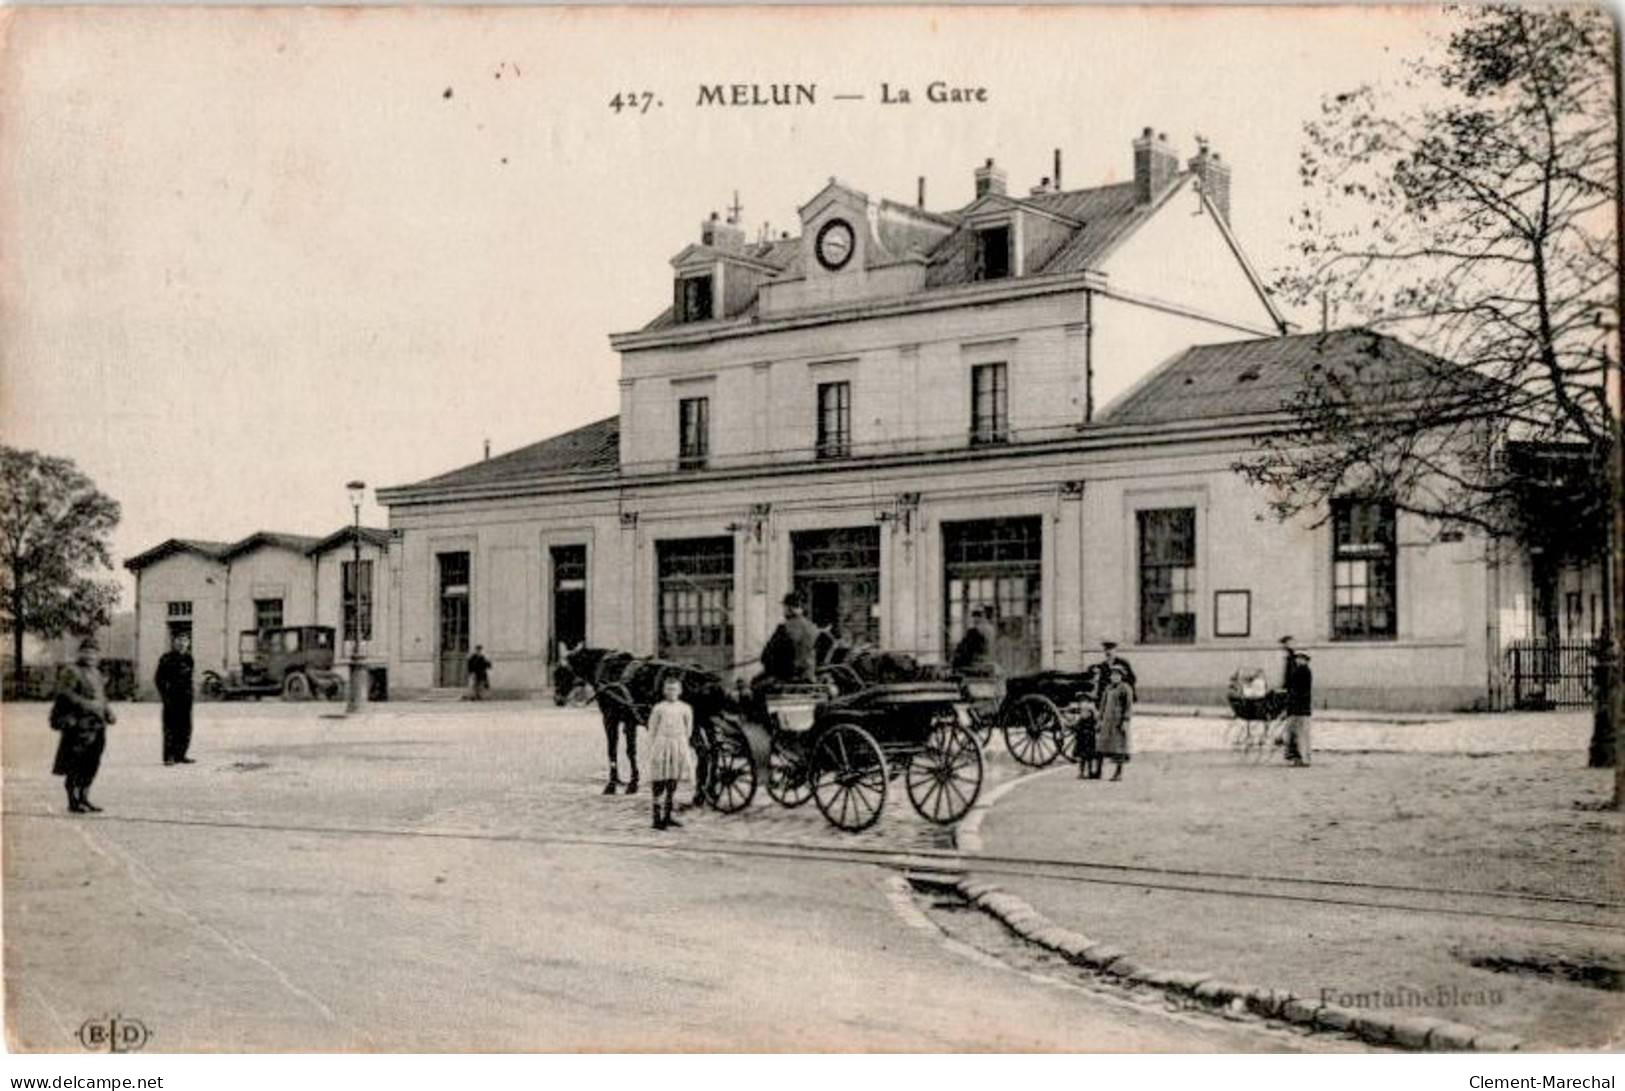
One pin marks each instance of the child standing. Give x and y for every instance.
(1116, 708)
(670, 724)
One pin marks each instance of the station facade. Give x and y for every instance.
(1031, 404)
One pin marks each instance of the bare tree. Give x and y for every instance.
(1471, 209)
(54, 529)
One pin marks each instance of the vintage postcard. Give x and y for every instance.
(1067, 529)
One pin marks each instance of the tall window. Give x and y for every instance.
(693, 299)
(993, 253)
(1168, 576)
(357, 604)
(694, 429)
(989, 403)
(834, 420)
(1363, 569)
(267, 614)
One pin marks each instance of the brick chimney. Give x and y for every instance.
(722, 234)
(989, 179)
(1214, 174)
(1155, 164)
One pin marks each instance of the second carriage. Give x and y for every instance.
(841, 746)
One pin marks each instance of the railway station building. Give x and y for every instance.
(1029, 404)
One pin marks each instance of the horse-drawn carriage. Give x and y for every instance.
(842, 750)
(726, 770)
(839, 742)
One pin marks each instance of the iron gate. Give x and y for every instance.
(1550, 673)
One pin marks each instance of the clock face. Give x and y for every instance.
(835, 244)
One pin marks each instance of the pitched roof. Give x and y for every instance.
(1264, 375)
(1108, 214)
(341, 537)
(592, 448)
(214, 551)
(299, 543)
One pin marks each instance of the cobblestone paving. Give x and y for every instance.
(501, 769)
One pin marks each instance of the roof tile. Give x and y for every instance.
(1265, 375)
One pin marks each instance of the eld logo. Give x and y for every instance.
(117, 1034)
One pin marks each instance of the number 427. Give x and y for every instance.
(634, 100)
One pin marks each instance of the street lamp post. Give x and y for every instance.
(357, 695)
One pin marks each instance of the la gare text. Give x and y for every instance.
(937, 92)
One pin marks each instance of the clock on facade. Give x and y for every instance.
(835, 244)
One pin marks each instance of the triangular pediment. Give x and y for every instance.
(995, 203)
(835, 193)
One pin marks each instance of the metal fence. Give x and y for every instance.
(1550, 674)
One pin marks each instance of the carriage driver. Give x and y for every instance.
(791, 653)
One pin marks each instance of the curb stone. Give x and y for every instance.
(1497, 1043)
(1407, 1032)
(1298, 1010)
(1413, 1031)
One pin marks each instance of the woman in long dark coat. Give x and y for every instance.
(1116, 709)
(80, 715)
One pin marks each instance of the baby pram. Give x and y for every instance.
(1260, 712)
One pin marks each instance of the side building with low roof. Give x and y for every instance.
(216, 591)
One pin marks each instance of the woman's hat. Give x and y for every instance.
(1109, 645)
(88, 644)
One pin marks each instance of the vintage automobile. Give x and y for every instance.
(294, 662)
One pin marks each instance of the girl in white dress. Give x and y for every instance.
(670, 724)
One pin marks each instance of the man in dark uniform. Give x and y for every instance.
(80, 715)
(791, 654)
(174, 681)
(1300, 703)
(479, 673)
(974, 652)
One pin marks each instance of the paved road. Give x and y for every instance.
(232, 905)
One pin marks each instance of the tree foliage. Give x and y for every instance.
(1470, 210)
(55, 527)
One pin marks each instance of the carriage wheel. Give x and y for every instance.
(733, 772)
(1066, 741)
(788, 781)
(1032, 730)
(945, 777)
(849, 777)
(981, 726)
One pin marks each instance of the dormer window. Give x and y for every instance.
(692, 302)
(993, 253)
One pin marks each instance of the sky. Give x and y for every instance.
(249, 255)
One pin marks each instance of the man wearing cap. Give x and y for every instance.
(1299, 705)
(1112, 661)
(174, 682)
(80, 716)
(791, 654)
(974, 652)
